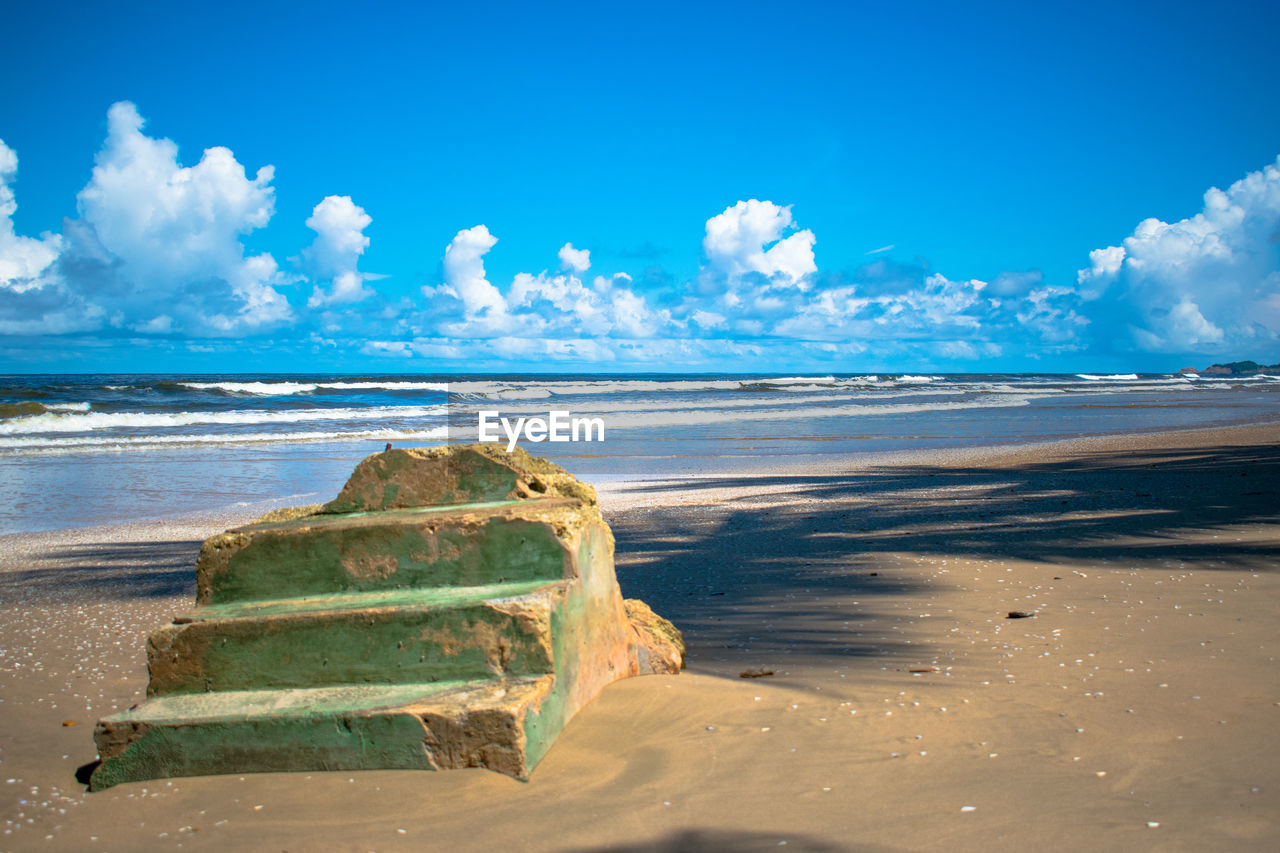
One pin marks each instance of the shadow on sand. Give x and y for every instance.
(752, 578)
(115, 571)
(755, 576)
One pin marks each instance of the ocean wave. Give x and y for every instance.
(1123, 387)
(516, 394)
(725, 404)
(695, 417)
(1255, 377)
(91, 421)
(266, 389)
(506, 390)
(530, 390)
(1107, 377)
(31, 408)
(386, 386)
(692, 418)
(909, 379)
(285, 389)
(94, 444)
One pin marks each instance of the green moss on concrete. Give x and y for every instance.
(590, 643)
(417, 598)
(342, 728)
(403, 643)
(392, 742)
(399, 552)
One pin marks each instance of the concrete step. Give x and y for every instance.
(503, 725)
(466, 545)
(409, 636)
(387, 630)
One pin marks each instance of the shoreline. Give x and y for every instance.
(616, 496)
(905, 710)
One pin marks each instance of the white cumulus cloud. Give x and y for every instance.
(748, 238)
(1208, 283)
(339, 224)
(464, 275)
(577, 260)
(22, 259)
(159, 238)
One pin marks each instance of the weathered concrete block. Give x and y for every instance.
(453, 607)
(470, 545)
(442, 476)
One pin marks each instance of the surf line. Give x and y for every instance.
(558, 426)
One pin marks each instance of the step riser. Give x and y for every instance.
(390, 646)
(295, 562)
(259, 746)
(392, 740)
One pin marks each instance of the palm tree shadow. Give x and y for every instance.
(112, 571)
(752, 576)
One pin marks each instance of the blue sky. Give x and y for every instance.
(830, 187)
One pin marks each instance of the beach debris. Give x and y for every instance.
(755, 672)
(1020, 614)
(452, 607)
(920, 669)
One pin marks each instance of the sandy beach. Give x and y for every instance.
(905, 710)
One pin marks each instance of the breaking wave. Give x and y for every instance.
(92, 444)
(281, 389)
(1107, 377)
(91, 421)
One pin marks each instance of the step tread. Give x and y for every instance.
(487, 509)
(234, 705)
(416, 598)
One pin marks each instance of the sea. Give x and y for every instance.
(78, 450)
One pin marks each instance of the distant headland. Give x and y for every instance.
(1233, 368)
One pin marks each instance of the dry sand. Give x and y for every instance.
(1137, 709)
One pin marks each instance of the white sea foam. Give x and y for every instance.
(271, 389)
(517, 394)
(532, 389)
(387, 386)
(1103, 377)
(690, 418)
(283, 389)
(93, 444)
(506, 390)
(91, 421)
(918, 379)
(726, 404)
(798, 380)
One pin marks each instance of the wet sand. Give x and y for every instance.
(1136, 709)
